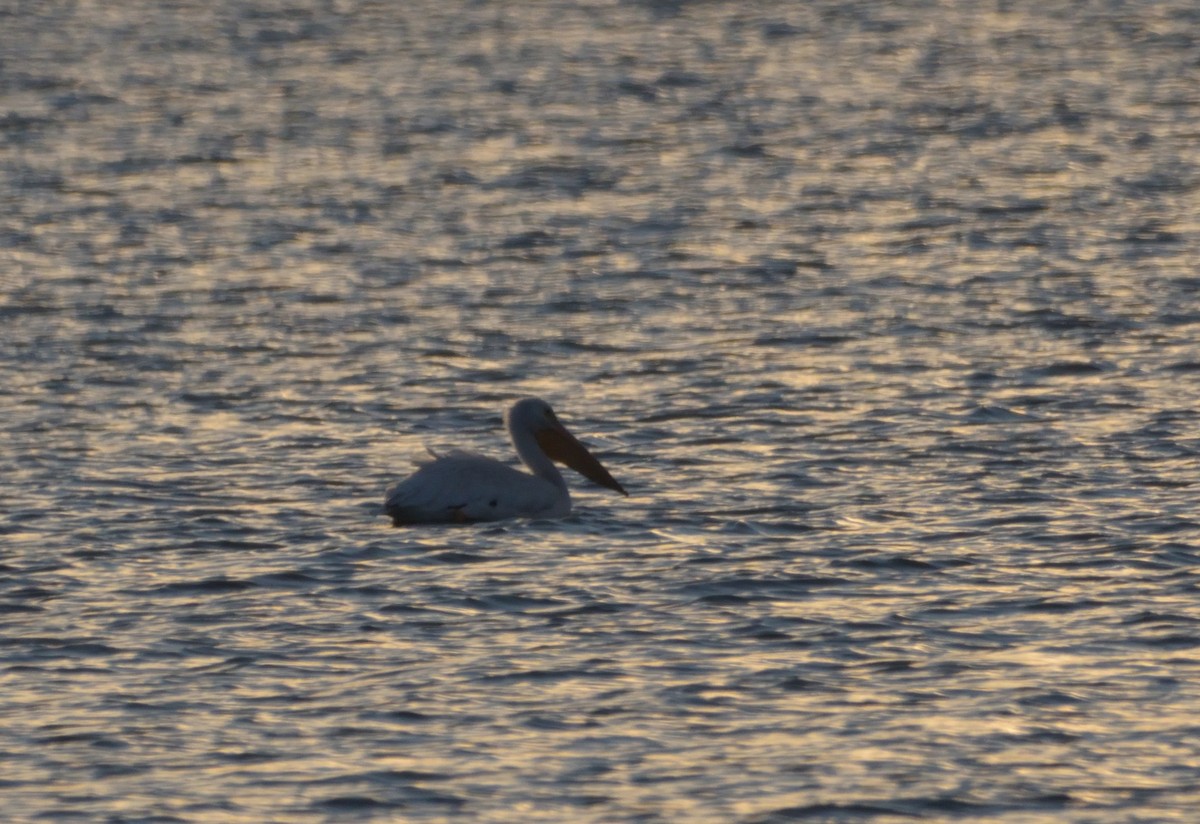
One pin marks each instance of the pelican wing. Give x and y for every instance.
(461, 487)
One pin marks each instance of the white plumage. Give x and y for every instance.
(461, 487)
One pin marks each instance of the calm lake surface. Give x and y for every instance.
(887, 315)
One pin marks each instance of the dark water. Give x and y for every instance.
(886, 314)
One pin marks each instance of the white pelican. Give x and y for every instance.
(462, 487)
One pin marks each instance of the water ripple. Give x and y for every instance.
(881, 313)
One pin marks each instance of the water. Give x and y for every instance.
(884, 314)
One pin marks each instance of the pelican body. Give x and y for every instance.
(462, 487)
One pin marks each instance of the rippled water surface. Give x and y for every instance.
(885, 314)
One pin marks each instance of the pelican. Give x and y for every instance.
(461, 487)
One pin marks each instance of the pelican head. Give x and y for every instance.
(535, 416)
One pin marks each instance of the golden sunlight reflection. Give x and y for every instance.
(881, 313)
